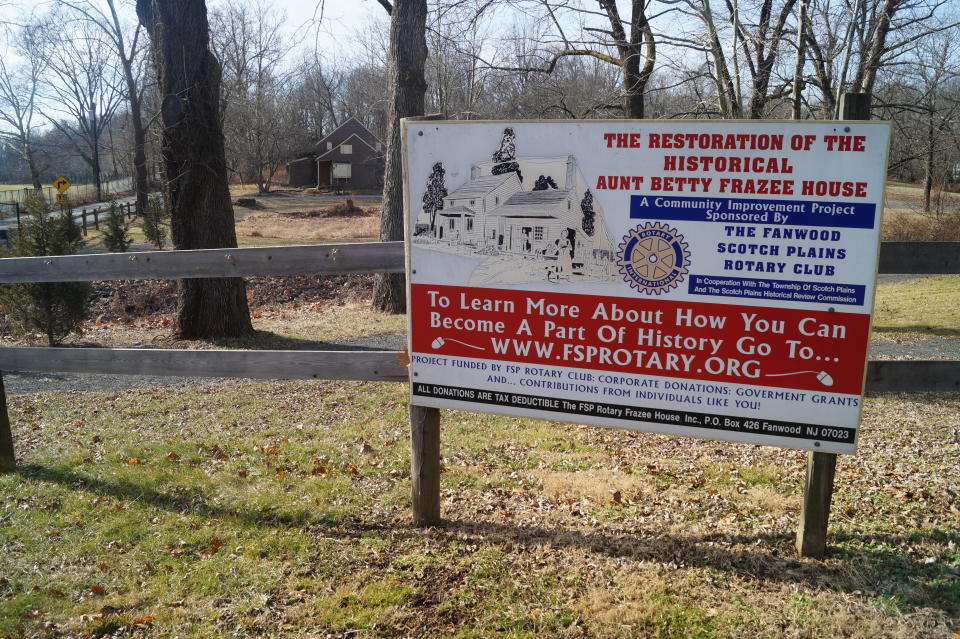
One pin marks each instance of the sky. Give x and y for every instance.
(338, 22)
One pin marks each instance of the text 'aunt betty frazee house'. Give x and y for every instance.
(541, 207)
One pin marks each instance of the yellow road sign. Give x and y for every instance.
(62, 184)
(61, 198)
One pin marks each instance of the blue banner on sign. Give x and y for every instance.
(740, 211)
(783, 290)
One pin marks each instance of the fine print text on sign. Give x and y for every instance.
(704, 278)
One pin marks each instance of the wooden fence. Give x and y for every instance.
(882, 376)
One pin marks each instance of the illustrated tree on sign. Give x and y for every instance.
(506, 155)
(543, 183)
(436, 191)
(589, 215)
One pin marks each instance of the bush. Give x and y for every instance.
(154, 222)
(920, 227)
(116, 233)
(54, 309)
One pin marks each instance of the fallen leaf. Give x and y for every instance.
(404, 357)
(242, 473)
(144, 621)
(133, 461)
(98, 590)
(173, 456)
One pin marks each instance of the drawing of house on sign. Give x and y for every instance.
(533, 216)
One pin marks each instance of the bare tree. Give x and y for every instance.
(19, 87)
(923, 100)
(317, 96)
(867, 37)
(626, 43)
(83, 92)
(126, 45)
(188, 78)
(257, 114)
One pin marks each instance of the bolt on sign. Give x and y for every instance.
(705, 278)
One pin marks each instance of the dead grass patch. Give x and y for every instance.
(600, 486)
(626, 607)
(276, 225)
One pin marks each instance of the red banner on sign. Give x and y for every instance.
(784, 348)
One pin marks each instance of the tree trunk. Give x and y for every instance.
(869, 64)
(408, 53)
(141, 185)
(797, 88)
(928, 164)
(95, 166)
(34, 171)
(192, 149)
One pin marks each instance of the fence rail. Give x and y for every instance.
(899, 376)
(107, 188)
(378, 366)
(366, 257)
(920, 258)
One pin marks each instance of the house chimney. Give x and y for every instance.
(474, 172)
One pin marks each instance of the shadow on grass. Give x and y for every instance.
(933, 331)
(911, 582)
(266, 340)
(875, 569)
(194, 503)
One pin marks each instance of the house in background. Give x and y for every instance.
(350, 157)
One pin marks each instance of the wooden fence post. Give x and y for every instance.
(7, 460)
(425, 464)
(83, 216)
(821, 467)
(815, 511)
(96, 219)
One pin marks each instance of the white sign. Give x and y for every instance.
(704, 278)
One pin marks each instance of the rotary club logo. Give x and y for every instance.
(653, 258)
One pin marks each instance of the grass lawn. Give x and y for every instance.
(281, 510)
(919, 308)
(278, 220)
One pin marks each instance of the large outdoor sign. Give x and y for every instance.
(704, 278)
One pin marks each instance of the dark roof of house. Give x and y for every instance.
(548, 196)
(361, 151)
(479, 186)
(339, 135)
(457, 211)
